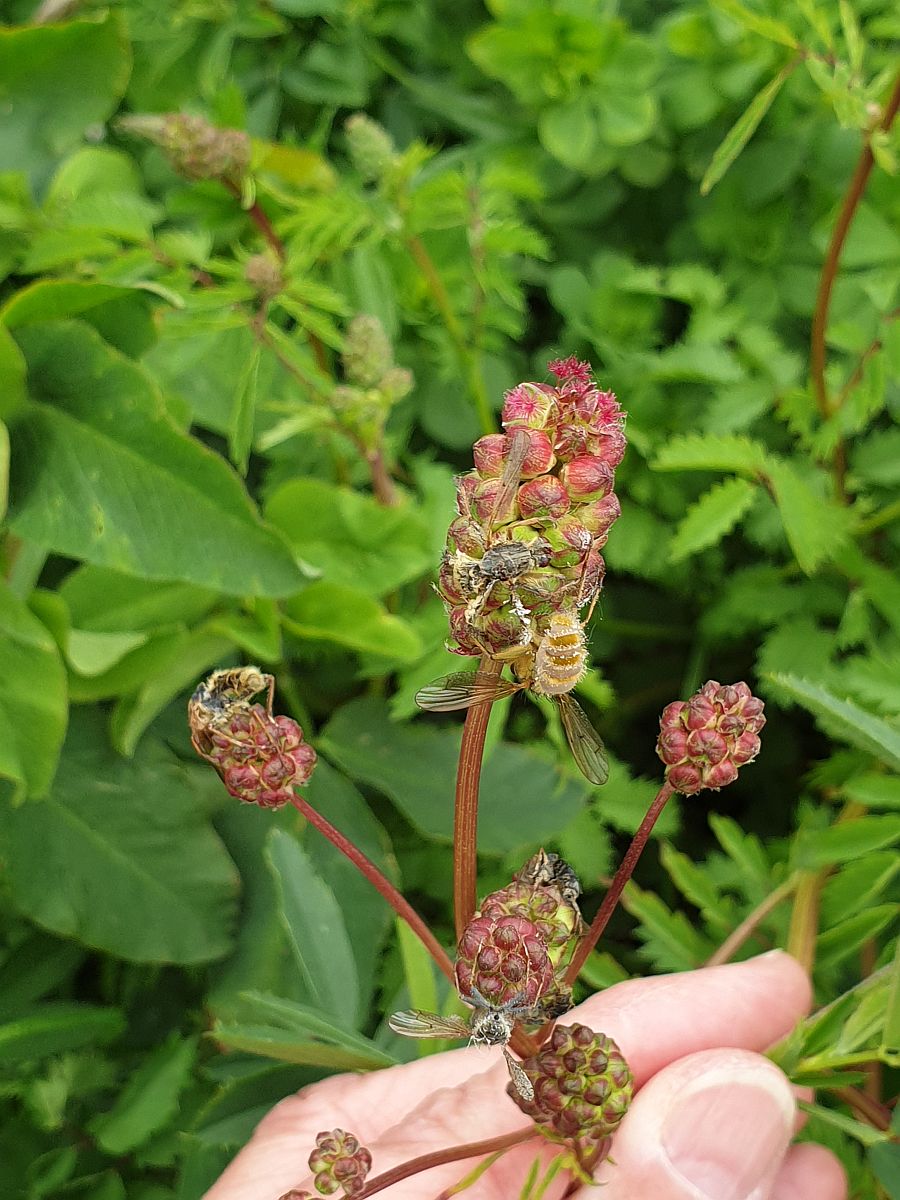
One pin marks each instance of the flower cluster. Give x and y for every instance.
(533, 515)
(339, 1161)
(260, 758)
(705, 740)
(195, 148)
(582, 1088)
(374, 384)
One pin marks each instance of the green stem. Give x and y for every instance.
(624, 873)
(752, 921)
(465, 815)
(382, 885)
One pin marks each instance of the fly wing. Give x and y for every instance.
(462, 689)
(519, 444)
(521, 1082)
(417, 1024)
(584, 741)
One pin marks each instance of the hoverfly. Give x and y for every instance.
(551, 670)
(489, 1025)
(223, 694)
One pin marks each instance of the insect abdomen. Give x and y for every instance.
(561, 658)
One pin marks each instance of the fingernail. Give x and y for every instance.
(727, 1139)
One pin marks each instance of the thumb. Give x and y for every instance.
(711, 1126)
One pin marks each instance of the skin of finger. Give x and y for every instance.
(654, 1021)
(810, 1172)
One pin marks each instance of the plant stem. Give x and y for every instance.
(382, 885)
(804, 928)
(425, 1162)
(624, 873)
(817, 352)
(736, 939)
(866, 1107)
(466, 358)
(382, 484)
(465, 813)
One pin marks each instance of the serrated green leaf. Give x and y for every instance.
(100, 473)
(713, 452)
(711, 517)
(890, 1037)
(696, 886)
(774, 31)
(815, 527)
(743, 129)
(840, 941)
(55, 1027)
(845, 841)
(316, 931)
(670, 941)
(272, 1042)
(149, 1099)
(843, 718)
(137, 869)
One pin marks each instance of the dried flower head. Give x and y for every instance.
(339, 1161)
(195, 148)
(582, 1087)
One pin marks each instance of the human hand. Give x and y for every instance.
(712, 1119)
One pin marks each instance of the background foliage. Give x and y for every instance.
(650, 186)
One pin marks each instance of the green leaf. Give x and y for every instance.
(315, 929)
(715, 452)
(744, 128)
(149, 1099)
(884, 1159)
(774, 31)
(670, 941)
(137, 869)
(415, 765)
(351, 538)
(300, 1019)
(711, 517)
(696, 885)
(55, 1027)
(815, 526)
(333, 612)
(100, 473)
(47, 106)
(570, 132)
(13, 397)
(860, 1130)
(890, 1036)
(243, 410)
(843, 719)
(840, 941)
(271, 1042)
(626, 118)
(746, 852)
(33, 703)
(845, 841)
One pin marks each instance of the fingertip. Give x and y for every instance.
(810, 1172)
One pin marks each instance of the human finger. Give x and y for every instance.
(810, 1172)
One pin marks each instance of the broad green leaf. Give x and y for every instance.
(711, 517)
(815, 526)
(55, 1027)
(33, 703)
(844, 719)
(743, 129)
(47, 105)
(37, 965)
(715, 452)
(774, 31)
(845, 841)
(884, 1159)
(570, 132)
(272, 1042)
(242, 1098)
(100, 473)
(316, 931)
(149, 1099)
(523, 798)
(346, 616)
(56, 299)
(91, 653)
(626, 118)
(351, 538)
(106, 601)
(137, 869)
(13, 396)
(243, 410)
(862, 1131)
(300, 1019)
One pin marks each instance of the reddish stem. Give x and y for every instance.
(465, 820)
(624, 873)
(382, 484)
(852, 198)
(426, 1162)
(382, 885)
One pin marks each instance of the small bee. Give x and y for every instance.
(551, 670)
(502, 562)
(490, 1025)
(223, 694)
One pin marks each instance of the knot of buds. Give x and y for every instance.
(374, 384)
(339, 1161)
(371, 147)
(194, 147)
(545, 891)
(534, 514)
(503, 960)
(582, 1087)
(264, 275)
(705, 740)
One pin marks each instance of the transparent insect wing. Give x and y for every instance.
(512, 472)
(584, 741)
(520, 1080)
(462, 689)
(417, 1024)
